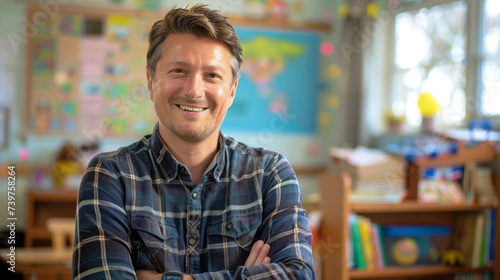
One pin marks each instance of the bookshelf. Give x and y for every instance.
(43, 205)
(334, 231)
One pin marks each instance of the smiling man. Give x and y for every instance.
(186, 202)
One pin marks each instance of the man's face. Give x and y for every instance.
(193, 87)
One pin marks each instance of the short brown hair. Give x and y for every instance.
(199, 21)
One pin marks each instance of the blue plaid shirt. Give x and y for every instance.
(139, 209)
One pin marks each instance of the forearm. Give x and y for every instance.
(154, 275)
(277, 270)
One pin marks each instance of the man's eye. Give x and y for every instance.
(177, 71)
(213, 76)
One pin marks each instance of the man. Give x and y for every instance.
(186, 202)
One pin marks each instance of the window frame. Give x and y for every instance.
(474, 55)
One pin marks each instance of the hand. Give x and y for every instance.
(258, 254)
(148, 275)
(154, 275)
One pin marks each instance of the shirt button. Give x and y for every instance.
(192, 241)
(183, 169)
(229, 226)
(195, 195)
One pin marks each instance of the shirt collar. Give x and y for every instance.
(169, 165)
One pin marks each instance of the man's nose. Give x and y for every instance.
(194, 87)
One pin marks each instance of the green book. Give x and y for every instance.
(481, 262)
(357, 249)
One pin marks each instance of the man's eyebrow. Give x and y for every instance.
(179, 62)
(209, 67)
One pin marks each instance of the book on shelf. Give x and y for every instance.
(485, 190)
(368, 252)
(440, 191)
(364, 164)
(473, 236)
(377, 177)
(478, 241)
(381, 262)
(473, 276)
(357, 250)
(491, 245)
(367, 243)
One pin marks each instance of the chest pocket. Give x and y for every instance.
(240, 228)
(154, 242)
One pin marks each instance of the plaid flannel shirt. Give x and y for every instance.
(139, 209)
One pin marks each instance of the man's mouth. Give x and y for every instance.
(191, 109)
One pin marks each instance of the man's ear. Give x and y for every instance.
(233, 93)
(150, 85)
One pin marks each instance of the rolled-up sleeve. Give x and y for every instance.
(102, 247)
(284, 227)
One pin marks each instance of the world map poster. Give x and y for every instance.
(279, 85)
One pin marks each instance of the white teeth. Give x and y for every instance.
(191, 109)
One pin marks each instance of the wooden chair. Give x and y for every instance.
(62, 231)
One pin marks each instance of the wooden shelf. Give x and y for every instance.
(414, 271)
(280, 24)
(415, 207)
(335, 192)
(156, 15)
(42, 205)
(301, 170)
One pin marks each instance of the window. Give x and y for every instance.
(490, 78)
(433, 53)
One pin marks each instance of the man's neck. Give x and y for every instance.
(195, 156)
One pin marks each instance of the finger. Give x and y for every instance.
(266, 260)
(253, 253)
(264, 251)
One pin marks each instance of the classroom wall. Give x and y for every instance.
(303, 150)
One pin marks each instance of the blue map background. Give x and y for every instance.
(298, 82)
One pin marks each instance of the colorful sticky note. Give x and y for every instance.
(71, 24)
(118, 91)
(92, 69)
(54, 124)
(140, 127)
(119, 126)
(23, 154)
(344, 11)
(372, 10)
(66, 87)
(333, 71)
(118, 27)
(332, 101)
(90, 88)
(327, 48)
(323, 118)
(70, 125)
(314, 149)
(69, 108)
(327, 15)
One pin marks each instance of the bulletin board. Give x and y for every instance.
(86, 72)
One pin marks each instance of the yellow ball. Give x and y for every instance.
(427, 104)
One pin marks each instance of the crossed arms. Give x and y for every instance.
(107, 247)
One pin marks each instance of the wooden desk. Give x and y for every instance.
(41, 263)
